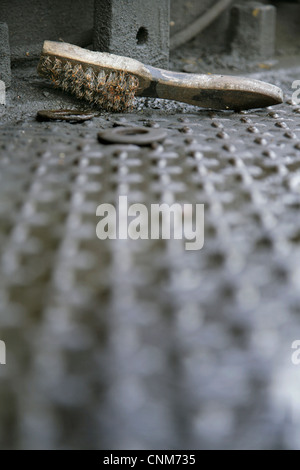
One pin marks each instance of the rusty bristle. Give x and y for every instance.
(114, 91)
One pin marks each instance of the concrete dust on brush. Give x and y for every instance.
(112, 82)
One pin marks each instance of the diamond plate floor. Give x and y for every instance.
(141, 344)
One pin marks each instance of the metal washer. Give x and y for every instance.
(69, 115)
(132, 135)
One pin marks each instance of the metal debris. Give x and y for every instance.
(132, 135)
(69, 115)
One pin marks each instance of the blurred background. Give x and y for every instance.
(122, 344)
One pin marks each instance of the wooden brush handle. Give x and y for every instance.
(211, 91)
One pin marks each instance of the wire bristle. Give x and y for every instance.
(114, 91)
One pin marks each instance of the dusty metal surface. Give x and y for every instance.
(141, 344)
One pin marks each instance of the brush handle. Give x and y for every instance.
(208, 91)
(211, 91)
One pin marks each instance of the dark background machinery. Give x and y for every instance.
(142, 345)
(73, 21)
